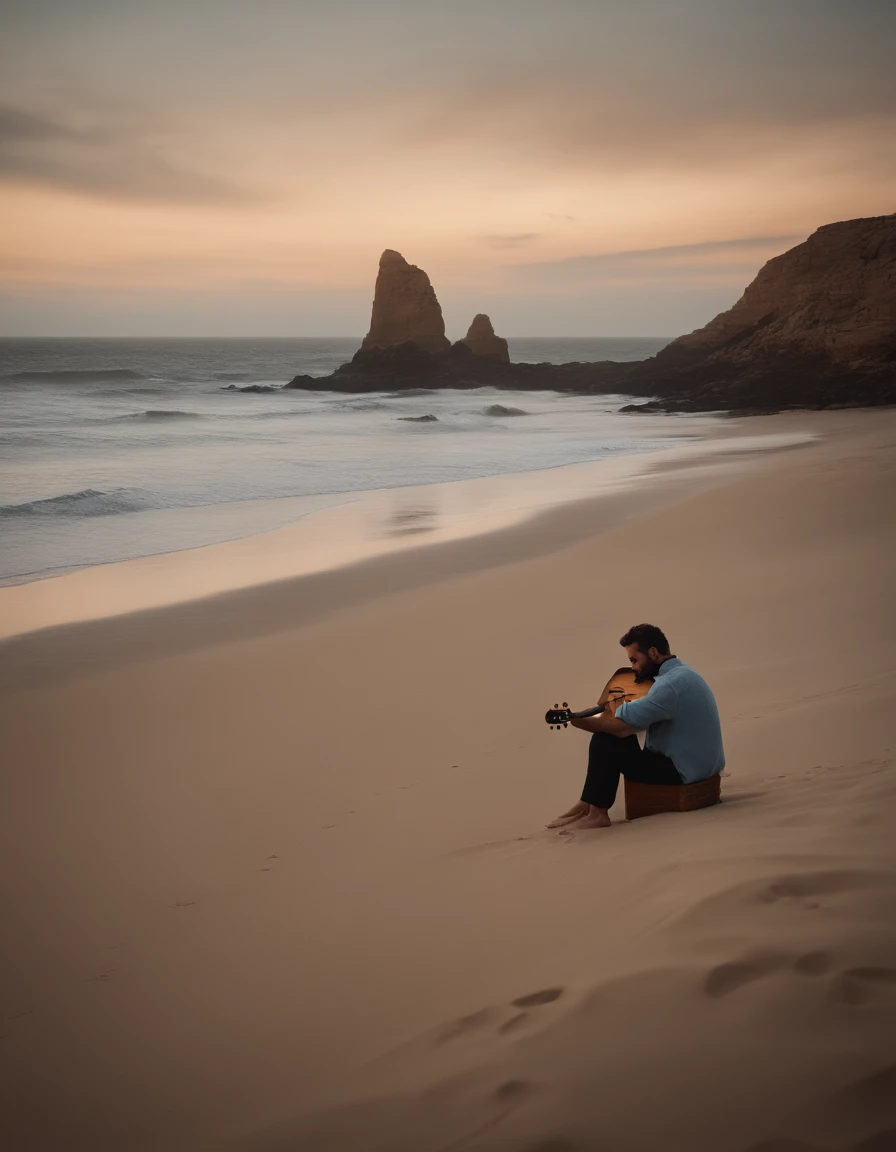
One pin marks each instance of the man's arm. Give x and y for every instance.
(659, 704)
(604, 722)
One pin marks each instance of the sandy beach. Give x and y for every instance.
(275, 872)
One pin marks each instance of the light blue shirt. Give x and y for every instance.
(682, 721)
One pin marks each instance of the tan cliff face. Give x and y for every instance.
(482, 341)
(833, 296)
(405, 307)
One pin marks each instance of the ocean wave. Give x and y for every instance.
(117, 393)
(79, 376)
(502, 410)
(154, 415)
(360, 405)
(89, 502)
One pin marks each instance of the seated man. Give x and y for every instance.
(684, 736)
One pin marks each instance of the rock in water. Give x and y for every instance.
(482, 341)
(405, 308)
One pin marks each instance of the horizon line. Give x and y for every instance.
(329, 336)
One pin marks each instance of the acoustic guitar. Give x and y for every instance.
(623, 685)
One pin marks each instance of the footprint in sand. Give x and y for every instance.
(495, 1020)
(514, 1023)
(813, 964)
(464, 1025)
(533, 999)
(803, 888)
(863, 985)
(853, 986)
(727, 978)
(513, 1090)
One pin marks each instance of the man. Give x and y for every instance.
(684, 736)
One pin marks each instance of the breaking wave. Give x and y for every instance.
(89, 502)
(502, 410)
(153, 415)
(360, 405)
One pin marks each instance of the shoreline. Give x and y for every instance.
(51, 652)
(365, 526)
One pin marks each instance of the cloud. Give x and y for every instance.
(511, 239)
(705, 258)
(105, 160)
(17, 126)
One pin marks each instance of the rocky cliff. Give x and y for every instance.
(405, 308)
(816, 327)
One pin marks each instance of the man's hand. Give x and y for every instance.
(604, 722)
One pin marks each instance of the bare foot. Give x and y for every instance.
(575, 813)
(596, 820)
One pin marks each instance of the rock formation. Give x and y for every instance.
(482, 341)
(833, 295)
(405, 308)
(815, 329)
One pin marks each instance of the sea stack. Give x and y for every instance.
(482, 341)
(405, 308)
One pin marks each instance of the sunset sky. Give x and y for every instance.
(220, 167)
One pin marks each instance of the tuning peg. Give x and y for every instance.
(565, 725)
(556, 706)
(565, 705)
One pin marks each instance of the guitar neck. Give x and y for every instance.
(588, 712)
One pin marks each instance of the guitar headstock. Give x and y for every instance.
(559, 716)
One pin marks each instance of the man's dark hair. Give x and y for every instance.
(646, 636)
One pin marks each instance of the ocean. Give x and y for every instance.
(112, 449)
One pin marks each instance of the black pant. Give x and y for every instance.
(608, 756)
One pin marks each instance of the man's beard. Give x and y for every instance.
(649, 671)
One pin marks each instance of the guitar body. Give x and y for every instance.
(622, 686)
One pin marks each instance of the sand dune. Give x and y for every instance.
(293, 891)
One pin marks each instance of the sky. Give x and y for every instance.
(570, 167)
